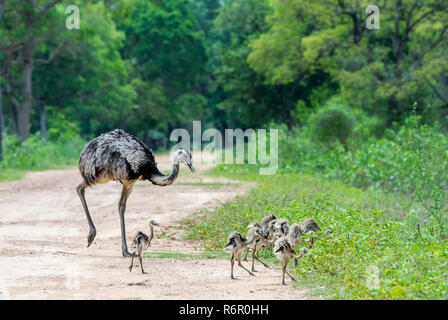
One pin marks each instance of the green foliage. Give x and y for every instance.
(333, 123)
(411, 265)
(409, 161)
(403, 161)
(382, 71)
(246, 98)
(167, 53)
(35, 153)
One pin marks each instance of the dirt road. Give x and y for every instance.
(43, 252)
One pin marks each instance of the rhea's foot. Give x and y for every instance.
(126, 254)
(91, 236)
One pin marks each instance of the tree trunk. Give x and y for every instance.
(43, 121)
(2, 125)
(24, 108)
(13, 120)
(1, 113)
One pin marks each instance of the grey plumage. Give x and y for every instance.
(284, 250)
(141, 242)
(281, 227)
(257, 239)
(295, 233)
(266, 222)
(294, 237)
(119, 156)
(235, 245)
(310, 226)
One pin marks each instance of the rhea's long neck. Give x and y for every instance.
(151, 232)
(161, 179)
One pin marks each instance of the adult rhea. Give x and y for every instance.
(119, 156)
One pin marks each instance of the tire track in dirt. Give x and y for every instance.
(43, 252)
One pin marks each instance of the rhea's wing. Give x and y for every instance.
(310, 225)
(116, 155)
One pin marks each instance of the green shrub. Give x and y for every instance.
(333, 123)
(411, 262)
(63, 148)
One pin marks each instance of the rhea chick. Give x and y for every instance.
(257, 240)
(294, 237)
(254, 230)
(310, 226)
(285, 251)
(235, 245)
(281, 228)
(141, 242)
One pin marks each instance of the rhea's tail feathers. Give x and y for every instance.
(228, 247)
(135, 244)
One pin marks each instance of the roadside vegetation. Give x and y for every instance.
(36, 153)
(384, 200)
(363, 115)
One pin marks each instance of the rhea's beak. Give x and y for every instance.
(191, 167)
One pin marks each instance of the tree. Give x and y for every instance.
(167, 52)
(250, 98)
(383, 71)
(1, 94)
(89, 81)
(27, 26)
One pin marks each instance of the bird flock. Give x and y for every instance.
(271, 232)
(119, 156)
(275, 232)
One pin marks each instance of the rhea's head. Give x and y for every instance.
(183, 156)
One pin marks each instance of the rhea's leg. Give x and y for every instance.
(258, 259)
(293, 279)
(80, 189)
(121, 209)
(132, 262)
(245, 255)
(239, 264)
(253, 259)
(285, 264)
(140, 249)
(232, 262)
(283, 277)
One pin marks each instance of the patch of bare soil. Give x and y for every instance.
(43, 252)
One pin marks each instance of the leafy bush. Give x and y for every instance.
(409, 161)
(35, 153)
(412, 262)
(63, 148)
(333, 123)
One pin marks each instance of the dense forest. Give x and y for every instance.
(150, 66)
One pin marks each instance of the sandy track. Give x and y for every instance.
(43, 252)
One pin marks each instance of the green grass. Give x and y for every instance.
(11, 174)
(370, 229)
